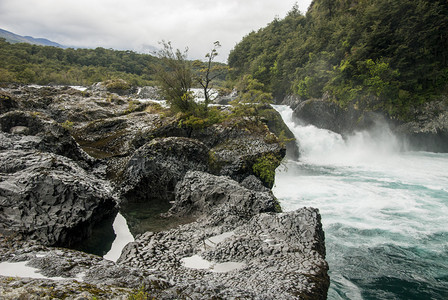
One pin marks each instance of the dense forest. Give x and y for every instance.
(33, 64)
(374, 54)
(26, 63)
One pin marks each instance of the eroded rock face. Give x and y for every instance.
(268, 256)
(50, 189)
(27, 130)
(237, 248)
(52, 192)
(429, 131)
(49, 198)
(200, 193)
(72, 274)
(154, 169)
(7, 102)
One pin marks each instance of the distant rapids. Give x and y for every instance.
(384, 211)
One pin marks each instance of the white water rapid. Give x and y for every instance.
(384, 211)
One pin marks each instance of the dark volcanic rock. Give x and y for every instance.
(26, 130)
(7, 102)
(122, 135)
(324, 114)
(154, 169)
(267, 256)
(236, 157)
(49, 198)
(75, 275)
(200, 193)
(429, 130)
(52, 193)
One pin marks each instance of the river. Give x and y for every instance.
(384, 210)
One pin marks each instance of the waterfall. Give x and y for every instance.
(383, 210)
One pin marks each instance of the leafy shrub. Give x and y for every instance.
(117, 84)
(264, 167)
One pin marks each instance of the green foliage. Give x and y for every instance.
(376, 54)
(26, 63)
(201, 119)
(68, 125)
(175, 79)
(140, 294)
(251, 98)
(264, 167)
(117, 84)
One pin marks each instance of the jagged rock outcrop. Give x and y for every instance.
(69, 274)
(235, 248)
(27, 130)
(200, 194)
(118, 136)
(261, 256)
(49, 198)
(52, 193)
(50, 189)
(7, 102)
(429, 130)
(154, 169)
(236, 157)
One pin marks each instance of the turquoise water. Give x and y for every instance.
(384, 211)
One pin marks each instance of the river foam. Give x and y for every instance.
(383, 210)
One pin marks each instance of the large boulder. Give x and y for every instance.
(28, 130)
(154, 169)
(238, 157)
(122, 135)
(238, 247)
(7, 102)
(49, 198)
(429, 130)
(199, 193)
(324, 114)
(267, 256)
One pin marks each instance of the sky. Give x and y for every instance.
(138, 24)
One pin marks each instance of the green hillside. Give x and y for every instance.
(375, 54)
(26, 63)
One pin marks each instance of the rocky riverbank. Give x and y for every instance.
(71, 159)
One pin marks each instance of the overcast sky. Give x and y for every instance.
(133, 24)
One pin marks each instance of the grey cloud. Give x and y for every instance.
(195, 24)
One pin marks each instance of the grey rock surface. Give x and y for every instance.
(27, 130)
(200, 194)
(267, 256)
(52, 193)
(154, 169)
(49, 198)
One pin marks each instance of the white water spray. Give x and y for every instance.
(383, 210)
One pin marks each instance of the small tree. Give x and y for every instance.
(208, 71)
(175, 78)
